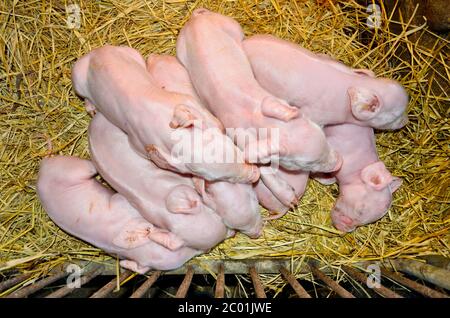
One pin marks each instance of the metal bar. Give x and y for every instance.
(63, 291)
(105, 290)
(259, 288)
(220, 283)
(206, 266)
(13, 281)
(341, 291)
(424, 290)
(299, 290)
(432, 274)
(184, 287)
(437, 260)
(146, 285)
(383, 291)
(263, 266)
(26, 291)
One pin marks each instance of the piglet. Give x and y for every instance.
(209, 46)
(327, 91)
(164, 198)
(114, 81)
(81, 206)
(365, 185)
(321, 87)
(237, 203)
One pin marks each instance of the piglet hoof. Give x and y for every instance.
(184, 117)
(155, 155)
(252, 174)
(278, 109)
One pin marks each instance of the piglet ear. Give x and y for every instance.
(364, 71)
(376, 176)
(184, 116)
(395, 184)
(275, 108)
(183, 199)
(365, 103)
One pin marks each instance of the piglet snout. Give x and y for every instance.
(342, 222)
(337, 160)
(397, 124)
(401, 122)
(255, 231)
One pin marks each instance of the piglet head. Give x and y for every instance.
(366, 200)
(63, 171)
(236, 204)
(227, 24)
(378, 102)
(311, 152)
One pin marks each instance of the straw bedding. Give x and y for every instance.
(38, 107)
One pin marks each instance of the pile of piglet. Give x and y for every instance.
(222, 90)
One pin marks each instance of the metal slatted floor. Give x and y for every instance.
(413, 278)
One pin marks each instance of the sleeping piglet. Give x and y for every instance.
(83, 207)
(114, 81)
(327, 91)
(237, 204)
(210, 48)
(323, 89)
(164, 198)
(365, 185)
